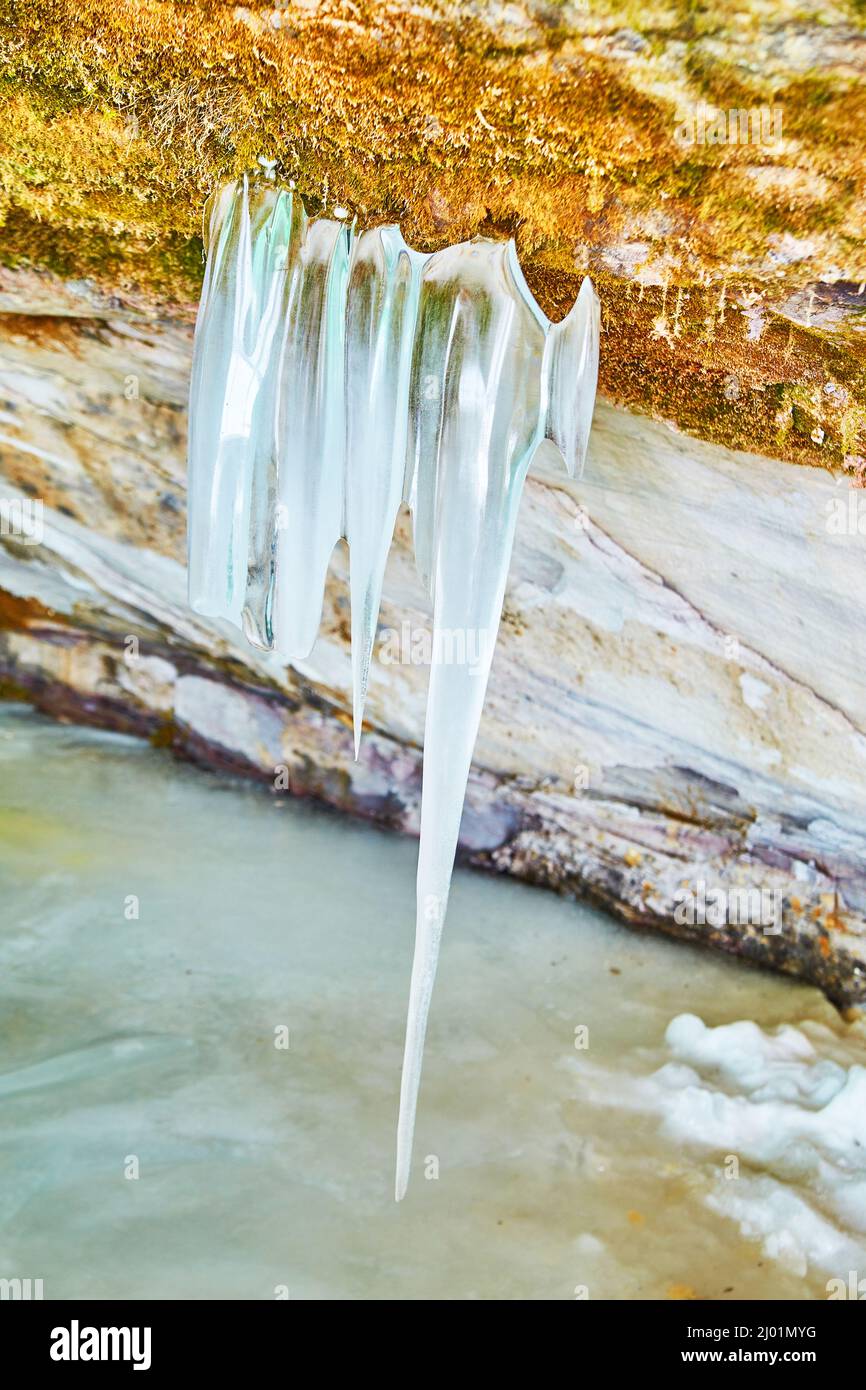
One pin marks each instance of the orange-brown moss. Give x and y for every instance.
(543, 123)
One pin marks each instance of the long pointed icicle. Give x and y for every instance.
(475, 425)
(333, 375)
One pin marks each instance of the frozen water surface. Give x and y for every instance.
(262, 1168)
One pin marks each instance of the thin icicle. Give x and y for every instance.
(382, 303)
(570, 375)
(334, 375)
(311, 437)
(277, 264)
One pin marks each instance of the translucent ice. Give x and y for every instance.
(335, 374)
(380, 327)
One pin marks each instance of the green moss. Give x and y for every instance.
(117, 120)
(172, 270)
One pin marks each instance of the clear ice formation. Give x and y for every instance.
(337, 374)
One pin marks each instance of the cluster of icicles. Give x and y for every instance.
(337, 374)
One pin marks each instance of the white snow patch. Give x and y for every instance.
(790, 1107)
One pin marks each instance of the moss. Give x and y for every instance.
(171, 270)
(117, 120)
(120, 118)
(705, 373)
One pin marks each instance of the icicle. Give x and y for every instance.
(280, 268)
(334, 375)
(311, 436)
(380, 330)
(475, 426)
(237, 321)
(570, 374)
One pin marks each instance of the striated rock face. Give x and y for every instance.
(622, 139)
(677, 705)
(677, 711)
